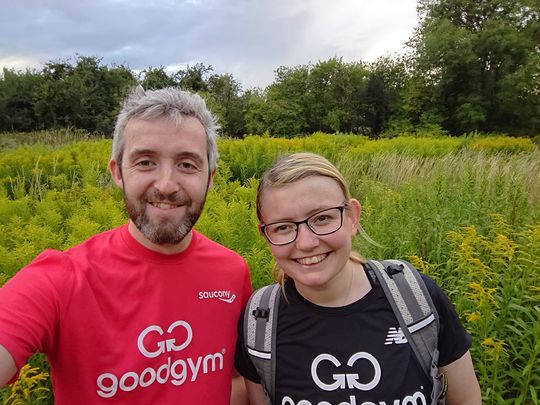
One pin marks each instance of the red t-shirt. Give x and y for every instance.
(123, 324)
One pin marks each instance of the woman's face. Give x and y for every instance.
(313, 261)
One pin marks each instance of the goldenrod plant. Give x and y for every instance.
(31, 388)
(465, 211)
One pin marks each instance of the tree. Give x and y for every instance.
(286, 102)
(473, 49)
(255, 113)
(194, 78)
(328, 96)
(17, 90)
(157, 78)
(53, 99)
(86, 95)
(389, 90)
(228, 94)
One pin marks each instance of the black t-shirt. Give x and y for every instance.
(354, 354)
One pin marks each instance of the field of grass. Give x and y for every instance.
(465, 210)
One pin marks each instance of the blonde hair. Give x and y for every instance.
(292, 168)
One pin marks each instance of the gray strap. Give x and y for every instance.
(408, 296)
(260, 325)
(417, 316)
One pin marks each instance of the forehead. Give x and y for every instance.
(297, 200)
(164, 136)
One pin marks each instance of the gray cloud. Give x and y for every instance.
(247, 38)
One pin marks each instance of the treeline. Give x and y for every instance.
(471, 66)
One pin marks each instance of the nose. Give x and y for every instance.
(166, 182)
(305, 238)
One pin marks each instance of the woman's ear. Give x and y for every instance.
(355, 210)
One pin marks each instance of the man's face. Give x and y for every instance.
(165, 178)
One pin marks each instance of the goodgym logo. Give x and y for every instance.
(163, 343)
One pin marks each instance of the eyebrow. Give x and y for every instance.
(310, 213)
(182, 155)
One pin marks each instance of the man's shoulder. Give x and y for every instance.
(107, 239)
(205, 242)
(65, 260)
(213, 248)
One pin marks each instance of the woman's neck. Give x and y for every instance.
(347, 287)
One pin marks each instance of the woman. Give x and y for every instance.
(333, 311)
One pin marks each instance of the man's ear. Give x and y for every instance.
(116, 173)
(211, 180)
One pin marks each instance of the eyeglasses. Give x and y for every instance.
(321, 223)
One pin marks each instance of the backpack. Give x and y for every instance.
(408, 297)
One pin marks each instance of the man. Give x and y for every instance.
(145, 313)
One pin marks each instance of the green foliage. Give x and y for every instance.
(17, 92)
(60, 137)
(502, 145)
(493, 277)
(465, 210)
(85, 95)
(477, 63)
(33, 386)
(473, 65)
(156, 78)
(230, 219)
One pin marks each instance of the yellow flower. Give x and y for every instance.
(481, 294)
(473, 317)
(479, 268)
(422, 265)
(28, 386)
(493, 347)
(503, 247)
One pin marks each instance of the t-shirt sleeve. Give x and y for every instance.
(454, 340)
(242, 362)
(30, 306)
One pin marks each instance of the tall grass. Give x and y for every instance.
(11, 140)
(411, 203)
(464, 210)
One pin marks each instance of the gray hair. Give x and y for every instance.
(169, 103)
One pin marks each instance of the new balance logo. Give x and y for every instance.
(395, 336)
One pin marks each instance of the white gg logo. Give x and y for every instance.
(352, 380)
(166, 345)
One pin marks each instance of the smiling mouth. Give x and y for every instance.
(312, 259)
(164, 206)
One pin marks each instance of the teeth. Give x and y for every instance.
(311, 260)
(164, 206)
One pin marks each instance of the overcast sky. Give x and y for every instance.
(247, 38)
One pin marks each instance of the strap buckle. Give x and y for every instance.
(261, 313)
(394, 269)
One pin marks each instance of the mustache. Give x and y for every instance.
(173, 198)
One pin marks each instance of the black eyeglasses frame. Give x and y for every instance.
(341, 208)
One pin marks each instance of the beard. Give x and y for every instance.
(163, 231)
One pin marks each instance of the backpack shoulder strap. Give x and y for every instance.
(260, 325)
(416, 314)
